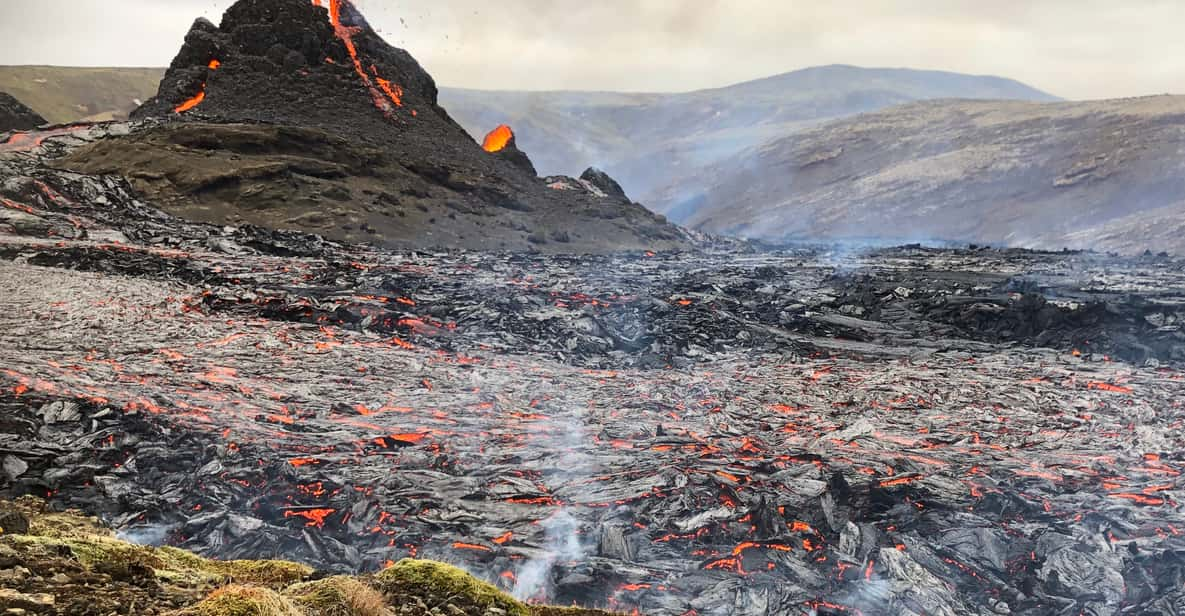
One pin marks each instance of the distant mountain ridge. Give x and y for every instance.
(650, 140)
(1107, 175)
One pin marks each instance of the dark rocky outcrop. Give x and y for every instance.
(14, 115)
(602, 181)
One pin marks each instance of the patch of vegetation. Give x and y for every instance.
(243, 601)
(337, 596)
(105, 574)
(441, 582)
(274, 574)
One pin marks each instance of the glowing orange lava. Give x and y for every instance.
(1140, 498)
(736, 562)
(193, 102)
(201, 95)
(409, 438)
(394, 93)
(498, 139)
(1108, 387)
(471, 546)
(888, 483)
(315, 517)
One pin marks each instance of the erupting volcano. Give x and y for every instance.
(306, 93)
(315, 42)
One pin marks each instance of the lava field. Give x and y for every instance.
(714, 428)
(725, 431)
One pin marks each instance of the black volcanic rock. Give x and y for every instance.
(601, 180)
(322, 75)
(14, 115)
(283, 62)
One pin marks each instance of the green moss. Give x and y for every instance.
(275, 573)
(68, 524)
(337, 596)
(39, 546)
(243, 601)
(174, 558)
(425, 578)
(97, 553)
(551, 610)
(121, 560)
(179, 564)
(46, 523)
(72, 543)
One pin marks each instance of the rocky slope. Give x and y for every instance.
(1106, 174)
(14, 115)
(296, 116)
(648, 141)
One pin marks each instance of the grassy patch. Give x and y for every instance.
(337, 596)
(444, 583)
(243, 601)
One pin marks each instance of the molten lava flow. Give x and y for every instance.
(193, 102)
(1108, 387)
(315, 517)
(394, 92)
(460, 545)
(346, 34)
(201, 95)
(736, 563)
(498, 139)
(888, 483)
(23, 141)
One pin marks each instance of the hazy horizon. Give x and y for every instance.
(1086, 49)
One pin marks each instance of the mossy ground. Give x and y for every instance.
(552, 610)
(337, 596)
(243, 601)
(414, 578)
(91, 572)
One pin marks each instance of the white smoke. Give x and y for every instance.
(561, 530)
(563, 545)
(152, 535)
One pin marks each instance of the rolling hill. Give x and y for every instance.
(1103, 174)
(66, 94)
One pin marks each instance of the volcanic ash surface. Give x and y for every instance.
(722, 433)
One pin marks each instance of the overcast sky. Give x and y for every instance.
(1071, 48)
